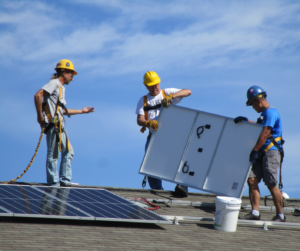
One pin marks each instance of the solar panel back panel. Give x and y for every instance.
(71, 203)
(201, 150)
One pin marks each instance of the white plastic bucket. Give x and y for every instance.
(227, 211)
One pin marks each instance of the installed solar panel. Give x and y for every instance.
(71, 203)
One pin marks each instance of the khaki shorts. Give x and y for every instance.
(266, 168)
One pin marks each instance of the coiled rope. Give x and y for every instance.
(30, 163)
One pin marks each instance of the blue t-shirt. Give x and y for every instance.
(270, 117)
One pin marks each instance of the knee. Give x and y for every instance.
(273, 188)
(252, 182)
(51, 158)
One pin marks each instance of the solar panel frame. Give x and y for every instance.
(215, 162)
(14, 199)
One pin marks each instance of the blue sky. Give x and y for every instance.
(217, 49)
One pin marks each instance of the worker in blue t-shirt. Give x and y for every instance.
(266, 154)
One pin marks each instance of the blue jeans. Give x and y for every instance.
(65, 172)
(153, 182)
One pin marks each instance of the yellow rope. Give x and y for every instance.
(30, 163)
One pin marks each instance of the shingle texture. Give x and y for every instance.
(45, 234)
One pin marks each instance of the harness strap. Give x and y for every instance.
(273, 142)
(64, 107)
(148, 108)
(59, 97)
(143, 129)
(58, 104)
(48, 114)
(46, 109)
(60, 132)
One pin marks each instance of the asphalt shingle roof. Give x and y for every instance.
(49, 234)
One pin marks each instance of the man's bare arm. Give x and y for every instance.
(38, 101)
(141, 121)
(262, 138)
(84, 110)
(182, 93)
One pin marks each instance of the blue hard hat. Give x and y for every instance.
(254, 92)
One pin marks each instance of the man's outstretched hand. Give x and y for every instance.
(88, 109)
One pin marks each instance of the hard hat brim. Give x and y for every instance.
(250, 101)
(153, 83)
(74, 72)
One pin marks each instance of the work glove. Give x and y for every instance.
(153, 124)
(167, 100)
(239, 119)
(253, 156)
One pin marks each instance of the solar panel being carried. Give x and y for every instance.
(71, 203)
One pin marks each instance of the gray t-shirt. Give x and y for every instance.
(52, 87)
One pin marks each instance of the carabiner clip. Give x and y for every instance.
(144, 181)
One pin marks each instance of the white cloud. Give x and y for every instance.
(216, 35)
(79, 42)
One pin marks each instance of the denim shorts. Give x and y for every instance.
(266, 168)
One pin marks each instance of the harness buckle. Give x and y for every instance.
(144, 181)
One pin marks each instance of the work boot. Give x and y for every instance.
(278, 218)
(249, 216)
(181, 190)
(296, 212)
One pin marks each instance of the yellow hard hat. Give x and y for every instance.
(65, 64)
(151, 78)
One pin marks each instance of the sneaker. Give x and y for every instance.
(297, 212)
(69, 184)
(181, 190)
(249, 216)
(278, 219)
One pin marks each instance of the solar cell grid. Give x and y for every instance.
(18, 192)
(29, 201)
(21, 206)
(75, 203)
(87, 195)
(101, 203)
(3, 211)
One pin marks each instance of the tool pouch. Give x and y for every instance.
(48, 127)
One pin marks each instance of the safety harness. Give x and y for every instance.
(55, 121)
(274, 142)
(45, 128)
(148, 108)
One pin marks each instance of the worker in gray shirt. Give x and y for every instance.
(50, 106)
